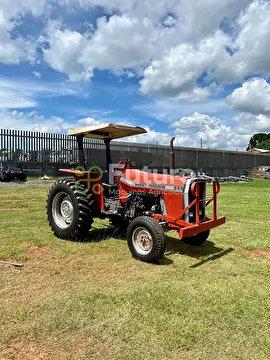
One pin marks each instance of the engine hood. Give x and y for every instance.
(142, 180)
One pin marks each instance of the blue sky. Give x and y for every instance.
(197, 70)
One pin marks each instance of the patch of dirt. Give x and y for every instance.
(258, 253)
(29, 350)
(35, 251)
(19, 351)
(2, 208)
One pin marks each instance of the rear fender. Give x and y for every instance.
(92, 181)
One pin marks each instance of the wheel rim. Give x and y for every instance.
(62, 210)
(142, 241)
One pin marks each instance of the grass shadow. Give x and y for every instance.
(206, 252)
(97, 234)
(213, 257)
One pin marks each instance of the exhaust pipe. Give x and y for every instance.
(172, 166)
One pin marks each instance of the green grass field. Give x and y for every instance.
(92, 300)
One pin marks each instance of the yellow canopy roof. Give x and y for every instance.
(107, 131)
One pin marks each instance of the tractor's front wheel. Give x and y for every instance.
(146, 239)
(196, 239)
(70, 210)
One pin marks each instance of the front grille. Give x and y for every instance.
(192, 210)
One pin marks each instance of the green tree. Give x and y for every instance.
(264, 144)
(259, 140)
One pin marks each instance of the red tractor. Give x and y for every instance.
(146, 203)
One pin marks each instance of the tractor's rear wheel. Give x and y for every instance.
(196, 239)
(70, 210)
(146, 239)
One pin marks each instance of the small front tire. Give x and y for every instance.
(146, 239)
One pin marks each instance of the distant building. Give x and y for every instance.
(258, 151)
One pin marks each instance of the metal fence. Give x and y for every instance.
(35, 147)
(47, 152)
(28, 146)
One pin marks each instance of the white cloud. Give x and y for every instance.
(32, 121)
(183, 37)
(210, 130)
(138, 33)
(250, 50)
(192, 20)
(169, 111)
(37, 74)
(63, 54)
(119, 43)
(22, 93)
(54, 124)
(169, 21)
(182, 51)
(87, 122)
(176, 75)
(163, 138)
(175, 43)
(252, 97)
(20, 8)
(13, 50)
(152, 137)
(249, 124)
(195, 123)
(197, 95)
(120, 5)
(14, 96)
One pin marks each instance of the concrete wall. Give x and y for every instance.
(219, 163)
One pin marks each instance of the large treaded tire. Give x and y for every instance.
(70, 210)
(197, 239)
(146, 239)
